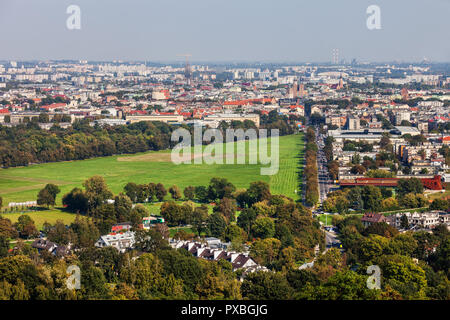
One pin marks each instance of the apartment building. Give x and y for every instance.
(120, 241)
(420, 220)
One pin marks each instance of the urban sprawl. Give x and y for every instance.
(373, 182)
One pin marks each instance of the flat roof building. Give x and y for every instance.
(162, 118)
(228, 117)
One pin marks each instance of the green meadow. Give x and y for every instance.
(40, 217)
(23, 183)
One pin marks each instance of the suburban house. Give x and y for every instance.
(121, 227)
(120, 241)
(216, 243)
(53, 248)
(200, 250)
(370, 218)
(148, 222)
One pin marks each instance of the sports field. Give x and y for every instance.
(23, 183)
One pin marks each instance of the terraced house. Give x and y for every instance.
(200, 250)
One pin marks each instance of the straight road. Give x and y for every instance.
(325, 182)
(331, 240)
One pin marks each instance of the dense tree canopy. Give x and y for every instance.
(25, 144)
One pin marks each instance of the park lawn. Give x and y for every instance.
(13, 244)
(119, 170)
(6, 184)
(174, 230)
(439, 195)
(40, 217)
(287, 181)
(325, 219)
(389, 213)
(154, 208)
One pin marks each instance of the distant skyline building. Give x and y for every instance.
(301, 90)
(341, 83)
(335, 56)
(405, 94)
(297, 90)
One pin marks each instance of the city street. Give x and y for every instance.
(325, 182)
(331, 240)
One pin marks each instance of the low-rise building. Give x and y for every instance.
(148, 222)
(213, 119)
(175, 118)
(420, 220)
(201, 250)
(121, 227)
(120, 241)
(371, 218)
(110, 122)
(49, 246)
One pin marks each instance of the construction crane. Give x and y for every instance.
(187, 68)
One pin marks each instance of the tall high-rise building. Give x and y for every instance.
(402, 116)
(341, 84)
(405, 94)
(353, 123)
(335, 56)
(301, 90)
(188, 73)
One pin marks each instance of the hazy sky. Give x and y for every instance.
(226, 30)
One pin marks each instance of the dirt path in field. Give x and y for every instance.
(17, 178)
(151, 157)
(24, 188)
(41, 183)
(166, 157)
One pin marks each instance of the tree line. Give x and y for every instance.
(409, 195)
(26, 144)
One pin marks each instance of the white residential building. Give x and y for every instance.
(420, 220)
(120, 241)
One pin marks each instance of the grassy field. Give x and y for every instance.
(389, 213)
(155, 207)
(325, 219)
(439, 195)
(40, 217)
(172, 231)
(23, 183)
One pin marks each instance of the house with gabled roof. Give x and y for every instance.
(200, 250)
(370, 218)
(53, 248)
